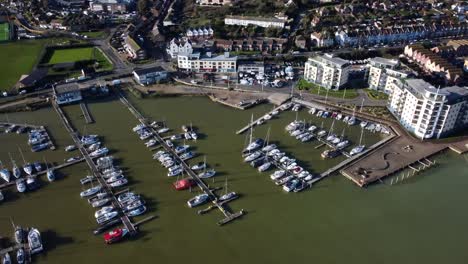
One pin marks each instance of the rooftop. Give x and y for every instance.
(67, 88)
(251, 18)
(143, 71)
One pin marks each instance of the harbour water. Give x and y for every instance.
(421, 220)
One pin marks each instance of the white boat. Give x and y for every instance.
(339, 117)
(207, 174)
(176, 137)
(331, 137)
(357, 150)
(103, 210)
(320, 113)
(363, 124)
(265, 166)
(194, 135)
(342, 144)
(28, 168)
(138, 211)
(180, 149)
(284, 180)
(269, 148)
(90, 191)
(292, 126)
(6, 259)
(89, 140)
(16, 171)
(112, 173)
(321, 133)
(277, 174)
(312, 128)
(253, 156)
(115, 178)
(227, 196)
(260, 121)
(119, 183)
(312, 111)
(187, 136)
(100, 202)
(199, 166)
(297, 132)
(267, 117)
(5, 175)
(187, 155)
(352, 121)
(198, 200)
(378, 127)
(169, 143)
(70, 148)
(168, 164)
(307, 138)
(138, 127)
(21, 185)
(34, 241)
(163, 130)
(175, 167)
(94, 147)
(273, 152)
(275, 112)
(126, 196)
(291, 185)
(99, 152)
(151, 143)
(50, 175)
(254, 144)
(337, 140)
(20, 256)
(296, 107)
(370, 127)
(174, 173)
(107, 217)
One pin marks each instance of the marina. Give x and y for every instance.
(339, 199)
(39, 137)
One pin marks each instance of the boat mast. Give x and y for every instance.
(251, 129)
(13, 163)
(360, 139)
(267, 138)
(331, 127)
(21, 152)
(226, 186)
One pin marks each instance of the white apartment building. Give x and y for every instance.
(207, 63)
(429, 112)
(177, 46)
(213, 2)
(256, 21)
(327, 71)
(382, 73)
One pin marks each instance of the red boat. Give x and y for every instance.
(115, 235)
(183, 184)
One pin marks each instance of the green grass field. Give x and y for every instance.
(94, 34)
(4, 32)
(17, 58)
(80, 54)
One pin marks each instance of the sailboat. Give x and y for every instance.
(15, 169)
(227, 196)
(352, 119)
(331, 136)
(27, 167)
(4, 173)
(207, 173)
(50, 172)
(358, 149)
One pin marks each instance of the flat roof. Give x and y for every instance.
(142, 71)
(252, 18)
(385, 61)
(66, 88)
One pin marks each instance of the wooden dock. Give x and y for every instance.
(84, 108)
(200, 183)
(74, 134)
(255, 122)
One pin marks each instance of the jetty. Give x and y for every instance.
(84, 108)
(95, 171)
(36, 175)
(200, 183)
(256, 122)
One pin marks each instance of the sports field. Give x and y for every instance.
(4, 32)
(80, 54)
(17, 58)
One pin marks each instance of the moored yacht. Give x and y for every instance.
(253, 156)
(21, 185)
(19, 235)
(115, 235)
(207, 174)
(138, 211)
(28, 168)
(70, 148)
(34, 240)
(357, 150)
(254, 144)
(103, 210)
(20, 256)
(50, 175)
(6, 259)
(1, 197)
(106, 217)
(265, 166)
(5, 175)
(91, 191)
(198, 200)
(277, 174)
(199, 166)
(342, 144)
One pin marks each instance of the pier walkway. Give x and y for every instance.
(35, 175)
(84, 108)
(74, 134)
(255, 122)
(200, 183)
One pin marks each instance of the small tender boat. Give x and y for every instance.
(267, 117)
(91, 191)
(103, 210)
(183, 184)
(115, 235)
(198, 200)
(70, 148)
(20, 256)
(50, 175)
(260, 121)
(72, 159)
(176, 137)
(21, 185)
(86, 179)
(138, 211)
(34, 240)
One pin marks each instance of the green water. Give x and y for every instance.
(419, 221)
